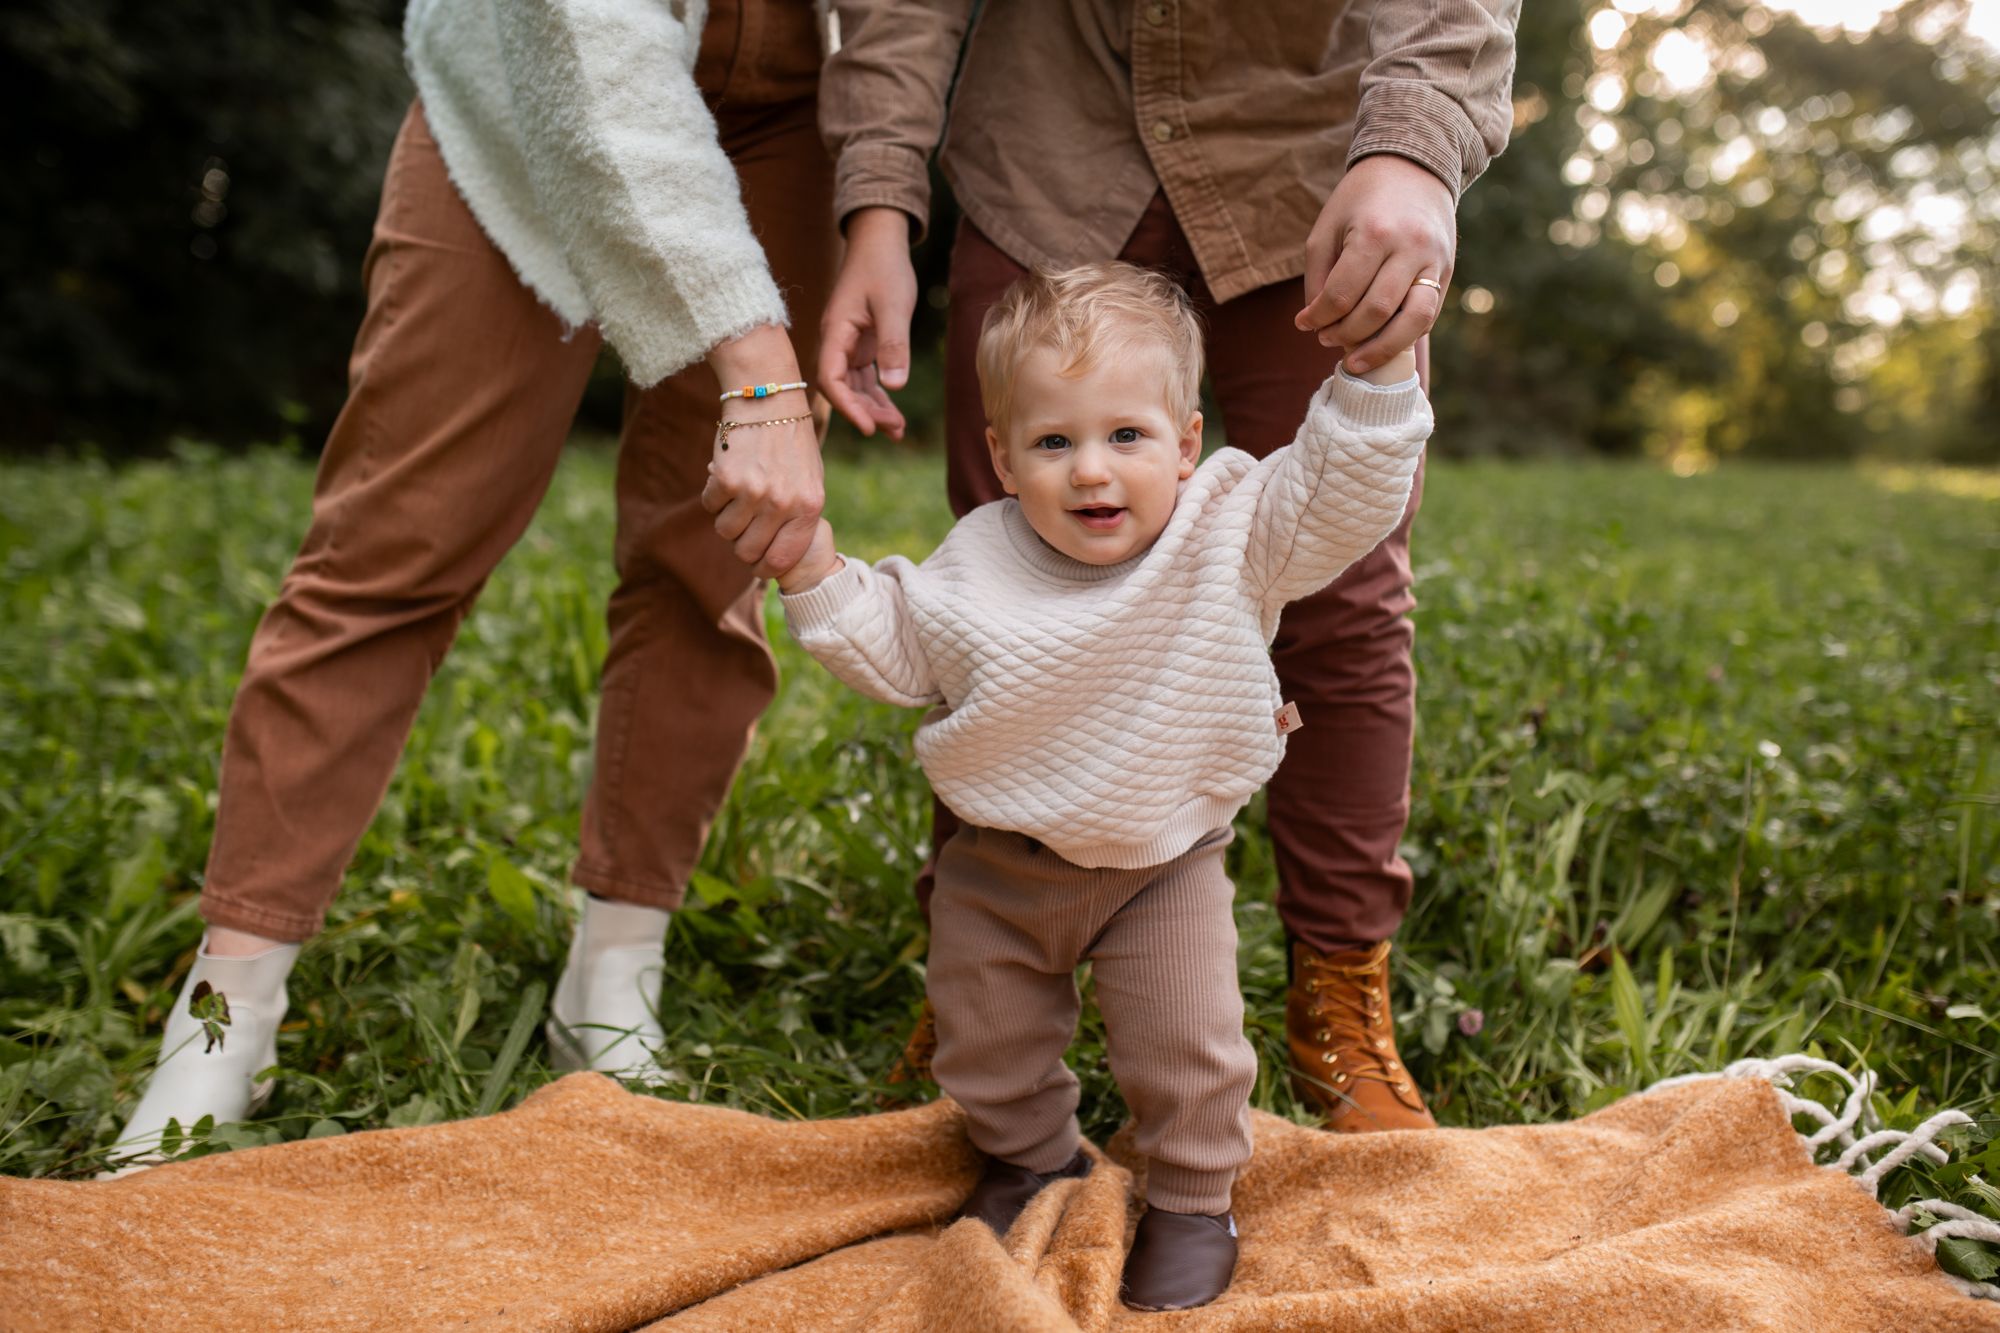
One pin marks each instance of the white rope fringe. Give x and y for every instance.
(1854, 1133)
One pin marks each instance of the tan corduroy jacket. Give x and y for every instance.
(1068, 115)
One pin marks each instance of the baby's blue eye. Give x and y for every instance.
(1125, 435)
(1052, 442)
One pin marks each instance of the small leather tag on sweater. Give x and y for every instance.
(1289, 720)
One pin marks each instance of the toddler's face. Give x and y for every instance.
(1095, 457)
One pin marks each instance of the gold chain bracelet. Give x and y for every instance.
(726, 426)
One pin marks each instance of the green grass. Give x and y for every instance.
(1707, 768)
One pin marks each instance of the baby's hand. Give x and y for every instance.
(818, 564)
(1395, 370)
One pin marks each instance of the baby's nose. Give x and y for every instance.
(1087, 467)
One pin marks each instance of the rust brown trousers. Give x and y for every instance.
(462, 390)
(1339, 801)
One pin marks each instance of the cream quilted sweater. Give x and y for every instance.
(1118, 712)
(574, 132)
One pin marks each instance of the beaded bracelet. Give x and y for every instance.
(724, 427)
(760, 390)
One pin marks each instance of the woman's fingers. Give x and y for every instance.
(714, 495)
(735, 519)
(755, 539)
(769, 478)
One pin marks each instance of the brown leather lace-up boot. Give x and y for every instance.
(1343, 1043)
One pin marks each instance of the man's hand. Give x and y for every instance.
(767, 488)
(1388, 223)
(864, 337)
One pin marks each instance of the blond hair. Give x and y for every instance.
(1080, 312)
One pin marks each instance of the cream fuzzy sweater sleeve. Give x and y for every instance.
(1119, 712)
(575, 133)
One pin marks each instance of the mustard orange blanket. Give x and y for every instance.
(588, 1207)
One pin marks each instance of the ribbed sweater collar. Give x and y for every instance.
(1046, 559)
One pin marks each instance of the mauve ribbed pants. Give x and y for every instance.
(1010, 922)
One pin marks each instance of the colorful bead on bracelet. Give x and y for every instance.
(760, 390)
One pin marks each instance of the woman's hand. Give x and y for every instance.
(767, 487)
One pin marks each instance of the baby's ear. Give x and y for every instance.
(1002, 466)
(1191, 446)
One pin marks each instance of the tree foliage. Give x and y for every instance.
(1717, 230)
(1548, 340)
(1721, 231)
(191, 198)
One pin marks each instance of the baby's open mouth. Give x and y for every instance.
(1099, 516)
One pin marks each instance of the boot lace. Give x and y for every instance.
(1351, 1006)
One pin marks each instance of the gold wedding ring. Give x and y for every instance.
(1431, 283)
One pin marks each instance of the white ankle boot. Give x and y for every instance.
(605, 1014)
(191, 1081)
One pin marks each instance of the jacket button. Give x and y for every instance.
(1156, 14)
(1162, 131)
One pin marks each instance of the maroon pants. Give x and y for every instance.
(1339, 802)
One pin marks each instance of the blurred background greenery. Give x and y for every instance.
(1722, 228)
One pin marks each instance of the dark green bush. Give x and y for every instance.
(192, 189)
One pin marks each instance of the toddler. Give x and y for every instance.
(1094, 651)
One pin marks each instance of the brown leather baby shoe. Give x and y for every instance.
(1005, 1189)
(1179, 1260)
(1343, 1043)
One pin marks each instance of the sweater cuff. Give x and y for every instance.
(817, 607)
(726, 301)
(872, 175)
(1416, 121)
(1374, 406)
